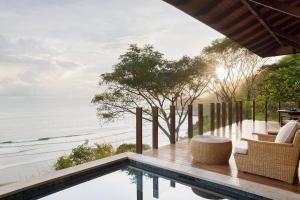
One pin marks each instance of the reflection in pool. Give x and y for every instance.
(131, 183)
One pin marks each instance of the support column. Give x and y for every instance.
(154, 127)
(139, 131)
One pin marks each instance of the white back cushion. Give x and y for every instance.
(241, 147)
(287, 132)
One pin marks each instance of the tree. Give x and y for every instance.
(232, 66)
(281, 80)
(144, 78)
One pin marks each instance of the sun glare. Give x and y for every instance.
(220, 71)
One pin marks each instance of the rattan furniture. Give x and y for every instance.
(266, 158)
(209, 149)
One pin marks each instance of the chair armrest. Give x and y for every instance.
(275, 152)
(265, 137)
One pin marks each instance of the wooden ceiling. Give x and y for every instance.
(266, 27)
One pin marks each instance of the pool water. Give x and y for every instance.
(131, 183)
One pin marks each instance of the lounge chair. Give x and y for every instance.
(274, 156)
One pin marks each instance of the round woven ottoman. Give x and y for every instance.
(210, 149)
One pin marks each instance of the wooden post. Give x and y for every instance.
(154, 127)
(279, 114)
(218, 115)
(266, 111)
(224, 114)
(241, 110)
(230, 113)
(190, 121)
(253, 110)
(212, 116)
(237, 112)
(172, 123)
(200, 119)
(139, 131)
(298, 104)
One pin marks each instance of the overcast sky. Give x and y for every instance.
(60, 47)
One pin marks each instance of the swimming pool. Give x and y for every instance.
(129, 179)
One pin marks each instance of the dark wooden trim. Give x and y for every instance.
(230, 113)
(253, 110)
(212, 116)
(139, 130)
(224, 114)
(279, 6)
(173, 125)
(190, 121)
(218, 113)
(155, 127)
(261, 20)
(200, 119)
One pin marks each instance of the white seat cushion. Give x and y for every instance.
(287, 132)
(241, 147)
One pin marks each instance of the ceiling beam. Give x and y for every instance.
(261, 20)
(287, 36)
(291, 43)
(279, 6)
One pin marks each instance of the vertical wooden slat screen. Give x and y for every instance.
(200, 119)
(139, 131)
(224, 114)
(212, 116)
(172, 123)
(190, 121)
(154, 127)
(218, 115)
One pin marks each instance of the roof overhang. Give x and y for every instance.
(265, 27)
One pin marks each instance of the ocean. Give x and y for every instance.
(35, 131)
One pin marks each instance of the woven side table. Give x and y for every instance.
(210, 149)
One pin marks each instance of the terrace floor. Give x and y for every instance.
(180, 153)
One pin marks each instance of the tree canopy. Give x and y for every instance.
(144, 78)
(238, 65)
(281, 82)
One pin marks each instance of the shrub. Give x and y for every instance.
(63, 162)
(130, 148)
(83, 153)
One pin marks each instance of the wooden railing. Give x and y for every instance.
(221, 114)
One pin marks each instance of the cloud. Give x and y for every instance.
(59, 47)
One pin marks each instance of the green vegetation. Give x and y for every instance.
(280, 81)
(144, 78)
(83, 153)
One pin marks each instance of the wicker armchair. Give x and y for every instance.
(274, 160)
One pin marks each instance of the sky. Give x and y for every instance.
(60, 47)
